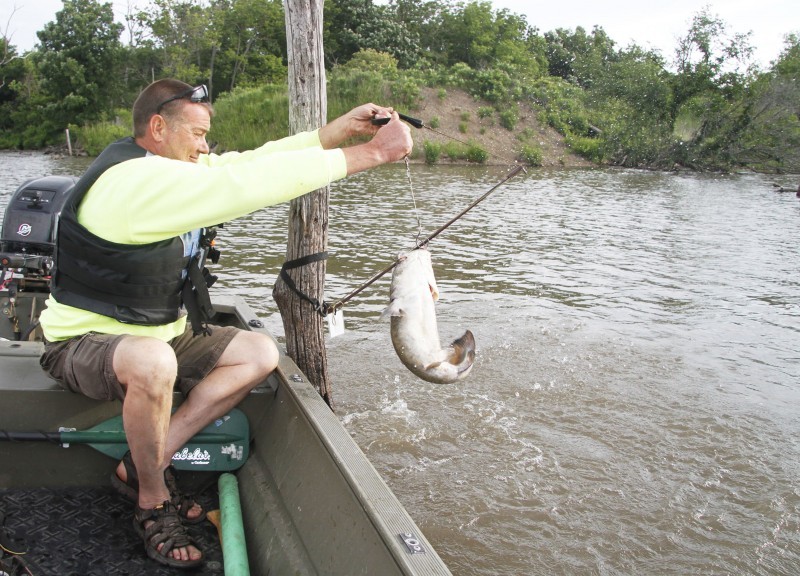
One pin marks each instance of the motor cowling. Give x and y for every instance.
(28, 236)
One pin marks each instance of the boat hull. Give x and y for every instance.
(311, 501)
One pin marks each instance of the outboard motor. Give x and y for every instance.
(27, 246)
(27, 240)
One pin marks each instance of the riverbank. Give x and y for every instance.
(456, 114)
(456, 118)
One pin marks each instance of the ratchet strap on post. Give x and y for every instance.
(320, 307)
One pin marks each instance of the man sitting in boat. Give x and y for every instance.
(132, 240)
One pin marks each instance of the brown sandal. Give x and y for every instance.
(166, 531)
(130, 490)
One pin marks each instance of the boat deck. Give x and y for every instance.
(311, 502)
(89, 532)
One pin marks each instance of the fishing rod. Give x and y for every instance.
(417, 123)
(329, 308)
(324, 308)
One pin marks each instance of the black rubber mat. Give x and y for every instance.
(89, 532)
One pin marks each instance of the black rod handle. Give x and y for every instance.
(415, 122)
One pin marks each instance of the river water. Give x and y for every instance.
(634, 404)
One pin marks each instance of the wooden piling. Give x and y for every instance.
(308, 214)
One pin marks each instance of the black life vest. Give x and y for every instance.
(145, 284)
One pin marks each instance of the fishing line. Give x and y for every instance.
(326, 308)
(414, 200)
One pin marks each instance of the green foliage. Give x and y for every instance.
(636, 77)
(405, 90)
(248, 117)
(563, 105)
(354, 25)
(370, 60)
(578, 57)
(476, 154)
(498, 84)
(455, 151)
(628, 137)
(788, 64)
(509, 118)
(78, 64)
(432, 150)
(531, 155)
(473, 34)
(352, 83)
(589, 148)
(93, 138)
(247, 43)
(526, 134)
(771, 138)
(615, 106)
(354, 86)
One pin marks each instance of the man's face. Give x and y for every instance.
(185, 135)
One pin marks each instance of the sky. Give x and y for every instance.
(655, 25)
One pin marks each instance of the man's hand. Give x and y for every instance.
(357, 122)
(391, 142)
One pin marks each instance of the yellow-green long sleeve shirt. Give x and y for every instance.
(155, 198)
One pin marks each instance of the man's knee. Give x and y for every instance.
(266, 354)
(257, 350)
(147, 363)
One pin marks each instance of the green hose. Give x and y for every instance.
(234, 546)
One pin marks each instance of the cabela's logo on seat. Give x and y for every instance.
(198, 456)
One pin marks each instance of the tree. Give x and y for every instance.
(772, 138)
(469, 34)
(252, 42)
(579, 57)
(13, 75)
(425, 18)
(788, 63)
(354, 25)
(78, 62)
(709, 58)
(182, 35)
(632, 99)
(7, 52)
(7, 55)
(712, 103)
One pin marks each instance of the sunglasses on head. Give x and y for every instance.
(196, 94)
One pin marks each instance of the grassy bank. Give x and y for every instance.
(466, 128)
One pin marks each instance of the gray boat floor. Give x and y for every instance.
(89, 532)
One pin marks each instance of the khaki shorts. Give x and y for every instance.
(84, 364)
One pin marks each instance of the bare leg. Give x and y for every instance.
(246, 362)
(147, 368)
